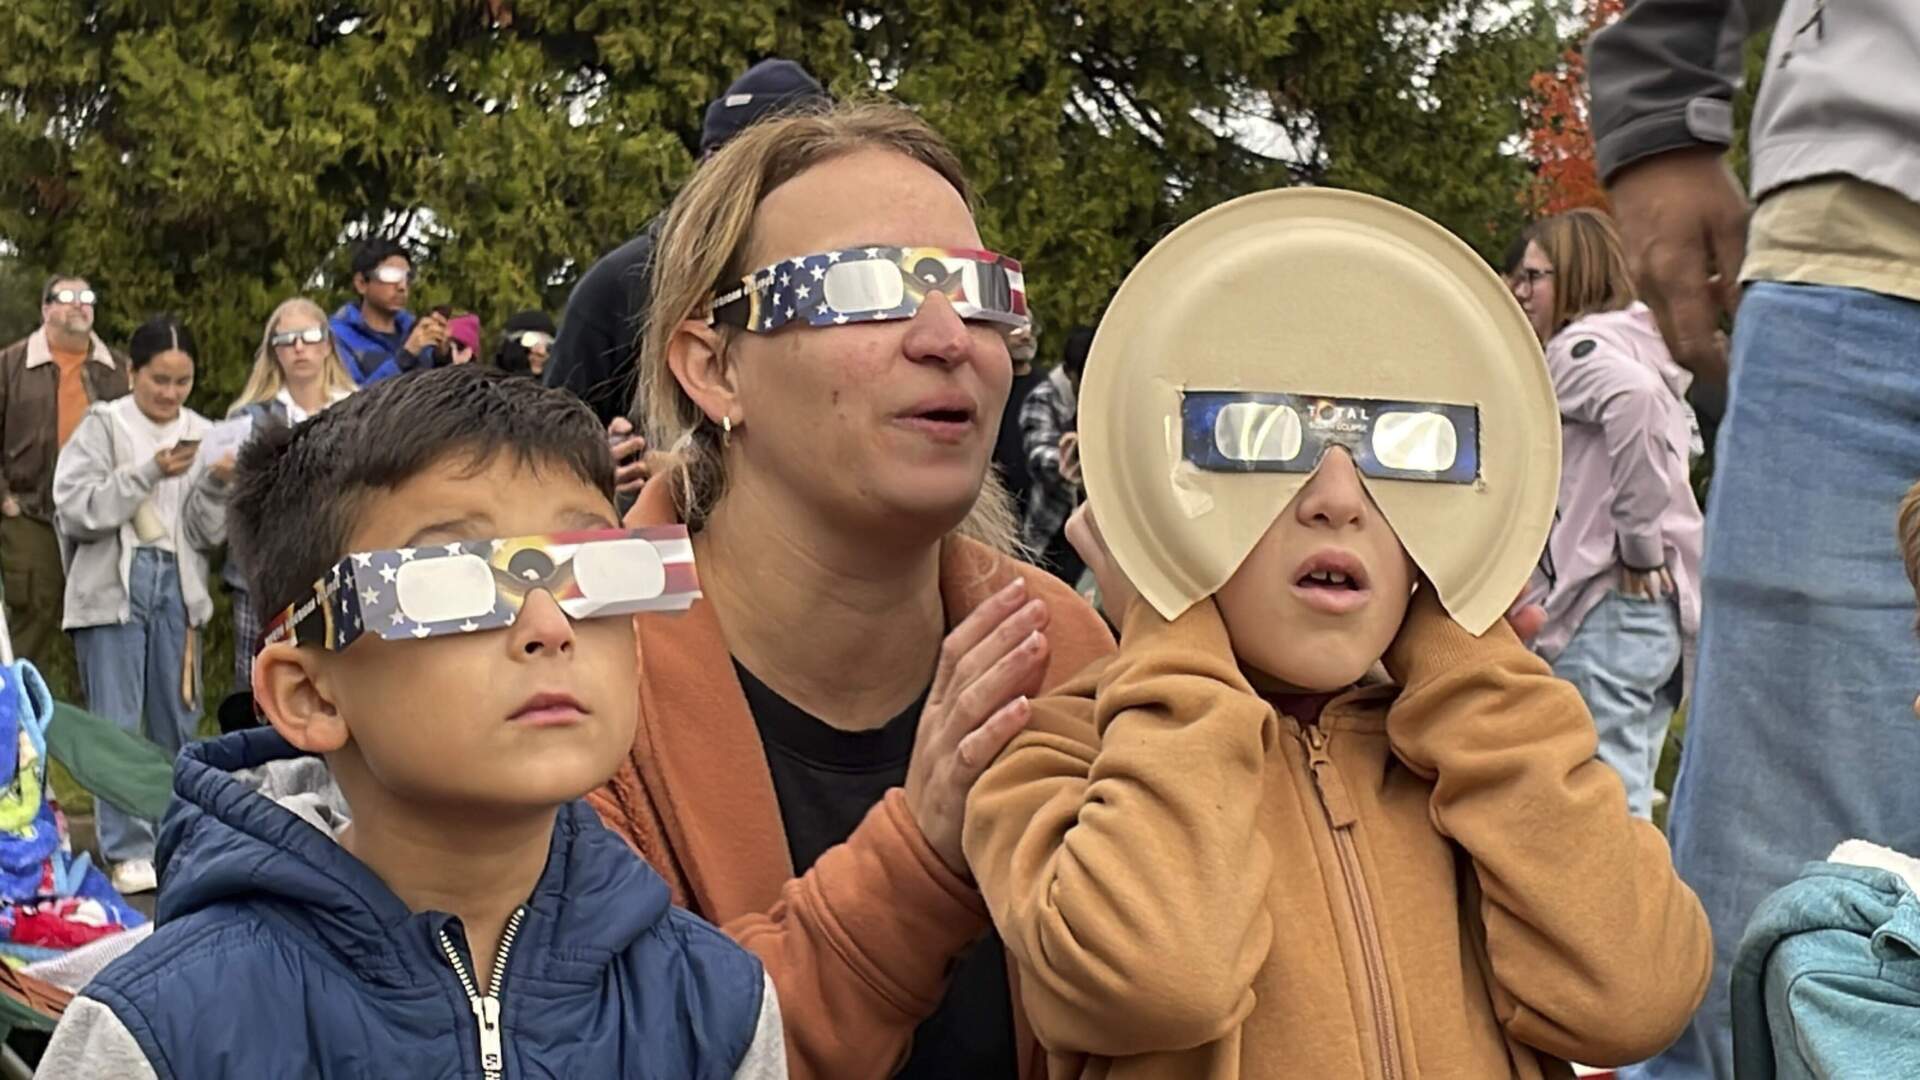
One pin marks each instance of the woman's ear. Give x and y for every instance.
(291, 688)
(697, 356)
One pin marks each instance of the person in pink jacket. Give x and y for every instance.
(1620, 576)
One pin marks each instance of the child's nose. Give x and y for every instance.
(542, 627)
(1333, 497)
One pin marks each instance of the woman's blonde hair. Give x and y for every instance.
(1589, 264)
(267, 379)
(703, 247)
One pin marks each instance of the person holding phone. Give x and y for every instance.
(378, 338)
(137, 512)
(1047, 426)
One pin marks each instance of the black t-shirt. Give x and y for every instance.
(825, 781)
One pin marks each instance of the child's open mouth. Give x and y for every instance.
(1332, 582)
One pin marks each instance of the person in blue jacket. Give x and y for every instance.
(378, 338)
(398, 877)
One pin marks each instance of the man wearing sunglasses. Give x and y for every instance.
(47, 382)
(378, 337)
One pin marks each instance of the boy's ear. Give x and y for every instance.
(290, 686)
(697, 356)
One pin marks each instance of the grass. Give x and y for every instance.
(1669, 765)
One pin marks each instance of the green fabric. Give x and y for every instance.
(118, 766)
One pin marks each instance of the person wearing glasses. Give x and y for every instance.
(378, 337)
(296, 374)
(47, 382)
(525, 344)
(1621, 576)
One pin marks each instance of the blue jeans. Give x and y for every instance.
(132, 674)
(1622, 658)
(1801, 733)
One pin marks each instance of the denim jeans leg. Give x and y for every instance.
(1620, 659)
(171, 724)
(113, 667)
(1801, 732)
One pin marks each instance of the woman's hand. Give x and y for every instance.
(1646, 584)
(176, 459)
(632, 464)
(222, 470)
(1117, 593)
(989, 665)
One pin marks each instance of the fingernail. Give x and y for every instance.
(1033, 642)
(1015, 587)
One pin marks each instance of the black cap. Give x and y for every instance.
(767, 87)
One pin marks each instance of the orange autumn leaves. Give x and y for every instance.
(1559, 140)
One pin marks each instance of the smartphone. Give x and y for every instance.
(188, 444)
(445, 311)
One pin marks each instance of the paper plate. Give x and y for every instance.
(1321, 292)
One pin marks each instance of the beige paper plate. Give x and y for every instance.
(1317, 291)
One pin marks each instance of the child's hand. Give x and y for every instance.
(1117, 594)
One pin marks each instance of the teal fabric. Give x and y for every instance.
(1827, 981)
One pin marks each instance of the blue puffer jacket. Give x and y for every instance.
(1827, 979)
(370, 357)
(278, 954)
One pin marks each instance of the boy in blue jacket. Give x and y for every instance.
(433, 900)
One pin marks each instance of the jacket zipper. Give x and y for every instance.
(486, 1010)
(1338, 806)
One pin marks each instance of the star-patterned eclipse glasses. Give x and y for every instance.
(875, 284)
(462, 588)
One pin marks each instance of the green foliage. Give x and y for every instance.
(215, 156)
(212, 157)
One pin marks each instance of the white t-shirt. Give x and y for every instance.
(297, 415)
(148, 439)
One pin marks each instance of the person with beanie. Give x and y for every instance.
(606, 313)
(524, 344)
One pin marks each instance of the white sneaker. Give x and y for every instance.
(134, 876)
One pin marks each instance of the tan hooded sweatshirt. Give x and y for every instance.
(1436, 880)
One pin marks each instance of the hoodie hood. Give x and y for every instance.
(253, 820)
(1636, 330)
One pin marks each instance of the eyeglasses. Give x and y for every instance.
(1243, 431)
(462, 588)
(71, 296)
(391, 275)
(533, 339)
(1527, 277)
(312, 335)
(875, 284)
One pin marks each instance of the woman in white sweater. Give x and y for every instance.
(137, 512)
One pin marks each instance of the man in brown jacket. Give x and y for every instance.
(47, 382)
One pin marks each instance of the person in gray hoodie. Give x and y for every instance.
(1799, 734)
(137, 512)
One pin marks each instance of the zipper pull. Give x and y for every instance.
(486, 1010)
(1327, 782)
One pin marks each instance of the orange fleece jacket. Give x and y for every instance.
(859, 947)
(1439, 880)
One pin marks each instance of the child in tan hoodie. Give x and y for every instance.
(1228, 851)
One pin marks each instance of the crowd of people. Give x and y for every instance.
(905, 803)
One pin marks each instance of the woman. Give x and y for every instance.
(1620, 579)
(806, 740)
(138, 512)
(524, 344)
(296, 373)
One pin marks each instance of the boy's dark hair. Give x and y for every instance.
(373, 251)
(297, 491)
